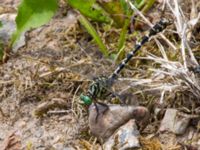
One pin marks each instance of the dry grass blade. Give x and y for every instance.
(171, 76)
(182, 27)
(179, 74)
(151, 25)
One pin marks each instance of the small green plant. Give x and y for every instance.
(29, 145)
(32, 14)
(105, 11)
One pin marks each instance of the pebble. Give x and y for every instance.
(174, 121)
(126, 137)
(6, 31)
(110, 120)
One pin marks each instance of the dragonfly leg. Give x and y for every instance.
(128, 99)
(120, 97)
(101, 109)
(97, 109)
(105, 107)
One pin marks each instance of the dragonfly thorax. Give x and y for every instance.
(98, 89)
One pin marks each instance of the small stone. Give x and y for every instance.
(39, 132)
(8, 28)
(21, 124)
(112, 117)
(174, 121)
(190, 134)
(126, 137)
(58, 146)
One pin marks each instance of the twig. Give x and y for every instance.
(58, 112)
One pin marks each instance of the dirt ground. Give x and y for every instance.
(40, 87)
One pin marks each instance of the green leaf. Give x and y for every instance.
(123, 33)
(115, 9)
(94, 34)
(148, 5)
(122, 40)
(90, 9)
(32, 14)
(144, 5)
(120, 55)
(125, 6)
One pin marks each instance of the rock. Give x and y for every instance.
(109, 120)
(126, 137)
(174, 121)
(6, 31)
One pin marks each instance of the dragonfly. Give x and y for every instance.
(98, 89)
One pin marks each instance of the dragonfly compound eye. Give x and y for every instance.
(86, 99)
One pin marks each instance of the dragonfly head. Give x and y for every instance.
(86, 99)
